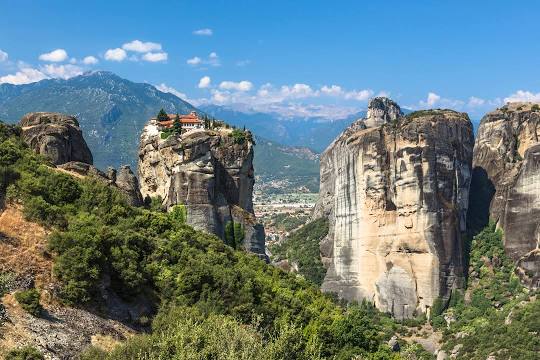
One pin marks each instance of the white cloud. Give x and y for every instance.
(142, 47)
(3, 56)
(62, 71)
(243, 85)
(475, 101)
(90, 60)
(194, 61)
(212, 60)
(155, 56)
(361, 95)
(167, 89)
(298, 91)
(432, 99)
(203, 32)
(204, 82)
(523, 96)
(57, 55)
(23, 76)
(333, 90)
(117, 54)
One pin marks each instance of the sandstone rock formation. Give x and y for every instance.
(56, 136)
(124, 179)
(507, 179)
(395, 189)
(206, 171)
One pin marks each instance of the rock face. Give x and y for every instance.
(123, 179)
(207, 172)
(395, 189)
(56, 136)
(507, 176)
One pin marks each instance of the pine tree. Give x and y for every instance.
(177, 125)
(162, 115)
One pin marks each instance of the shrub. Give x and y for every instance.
(179, 214)
(535, 107)
(29, 301)
(24, 353)
(239, 136)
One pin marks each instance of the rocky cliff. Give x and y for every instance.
(507, 180)
(58, 137)
(395, 189)
(209, 172)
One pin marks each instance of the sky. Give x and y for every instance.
(298, 58)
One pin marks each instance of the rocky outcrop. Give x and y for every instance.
(55, 136)
(395, 189)
(123, 179)
(209, 172)
(507, 176)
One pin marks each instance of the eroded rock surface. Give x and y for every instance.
(124, 179)
(207, 172)
(56, 136)
(507, 175)
(395, 189)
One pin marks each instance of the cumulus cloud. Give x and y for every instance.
(155, 56)
(243, 85)
(475, 101)
(90, 60)
(194, 61)
(62, 71)
(523, 96)
(167, 89)
(57, 55)
(212, 60)
(203, 32)
(204, 82)
(25, 75)
(333, 90)
(142, 47)
(3, 56)
(117, 54)
(361, 95)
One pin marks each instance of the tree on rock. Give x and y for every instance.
(162, 115)
(177, 125)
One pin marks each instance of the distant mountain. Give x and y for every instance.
(284, 169)
(112, 111)
(315, 132)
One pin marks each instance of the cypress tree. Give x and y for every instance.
(162, 115)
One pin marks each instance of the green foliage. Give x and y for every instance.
(497, 316)
(24, 353)
(162, 115)
(6, 280)
(234, 234)
(177, 125)
(302, 248)
(239, 136)
(535, 107)
(178, 213)
(29, 301)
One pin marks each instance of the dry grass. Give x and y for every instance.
(22, 247)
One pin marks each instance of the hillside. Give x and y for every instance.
(115, 264)
(112, 111)
(282, 169)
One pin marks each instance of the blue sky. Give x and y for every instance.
(294, 57)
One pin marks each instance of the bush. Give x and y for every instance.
(29, 301)
(24, 353)
(239, 136)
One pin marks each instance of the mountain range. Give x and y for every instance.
(112, 112)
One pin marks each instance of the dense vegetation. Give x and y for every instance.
(205, 292)
(302, 248)
(497, 316)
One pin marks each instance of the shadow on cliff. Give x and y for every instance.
(481, 193)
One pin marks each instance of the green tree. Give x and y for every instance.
(24, 353)
(177, 125)
(162, 115)
(29, 301)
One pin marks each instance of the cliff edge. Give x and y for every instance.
(395, 189)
